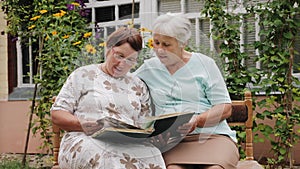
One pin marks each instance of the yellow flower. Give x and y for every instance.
(90, 49)
(150, 43)
(35, 18)
(54, 33)
(77, 43)
(75, 4)
(47, 37)
(31, 27)
(65, 36)
(102, 44)
(60, 14)
(63, 12)
(145, 30)
(130, 24)
(57, 15)
(43, 11)
(86, 35)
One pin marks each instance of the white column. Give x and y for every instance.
(148, 12)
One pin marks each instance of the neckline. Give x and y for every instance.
(99, 67)
(181, 68)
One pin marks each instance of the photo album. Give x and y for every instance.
(117, 130)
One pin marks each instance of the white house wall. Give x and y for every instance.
(3, 59)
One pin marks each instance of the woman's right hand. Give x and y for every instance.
(90, 127)
(160, 140)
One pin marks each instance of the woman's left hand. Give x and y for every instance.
(188, 127)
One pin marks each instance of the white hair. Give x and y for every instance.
(173, 25)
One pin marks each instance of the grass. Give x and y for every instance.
(13, 165)
(14, 161)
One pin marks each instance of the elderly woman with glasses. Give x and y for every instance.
(96, 91)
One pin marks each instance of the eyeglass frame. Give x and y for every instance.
(121, 58)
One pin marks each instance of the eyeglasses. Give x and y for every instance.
(129, 61)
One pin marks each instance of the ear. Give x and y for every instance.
(182, 44)
(107, 52)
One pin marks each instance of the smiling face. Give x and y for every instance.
(119, 60)
(168, 49)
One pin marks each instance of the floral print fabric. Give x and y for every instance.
(90, 94)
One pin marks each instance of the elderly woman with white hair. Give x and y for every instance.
(181, 81)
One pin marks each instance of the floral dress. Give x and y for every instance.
(89, 93)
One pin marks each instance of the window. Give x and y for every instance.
(109, 15)
(125, 11)
(249, 36)
(105, 14)
(172, 6)
(23, 67)
(27, 65)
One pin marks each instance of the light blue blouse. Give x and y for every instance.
(196, 86)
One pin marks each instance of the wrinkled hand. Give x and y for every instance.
(188, 127)
(165, 142)
(90, 127)
(160, 140)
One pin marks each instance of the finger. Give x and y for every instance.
(155, 141)
(163, 138)
(168, 135)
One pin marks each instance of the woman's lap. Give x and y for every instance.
(80, 151)
(204, 149)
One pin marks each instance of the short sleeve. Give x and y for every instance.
(216, 90)
(66, 99)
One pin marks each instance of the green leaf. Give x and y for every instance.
(282, 151)
(281, 79)
(288, 35)
(277, 22)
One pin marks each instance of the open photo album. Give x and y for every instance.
(117, 130)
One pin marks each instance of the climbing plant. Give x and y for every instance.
(226, 33)
(279, 30)
(279, 23)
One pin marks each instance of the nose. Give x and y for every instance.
(160, 50)
(122, 62)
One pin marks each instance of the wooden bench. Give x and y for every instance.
(242, 115)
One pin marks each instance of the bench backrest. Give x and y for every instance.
(242, 115)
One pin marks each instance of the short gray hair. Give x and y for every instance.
(173, 25)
